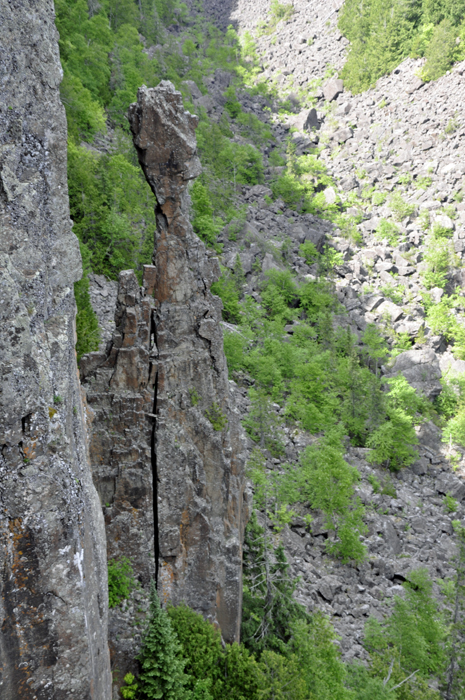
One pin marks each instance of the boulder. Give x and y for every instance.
(333, 89)
(421, 369)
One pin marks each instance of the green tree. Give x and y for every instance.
(268, 606)
(326, 481)
(263, 423)
(162, 666)
(87, 328)
(205, 224)
(454, 686)
(318, 659)
(441, 50)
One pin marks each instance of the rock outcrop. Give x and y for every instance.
(198, 447)
(167, 447)
(53, 587)
(120, 384)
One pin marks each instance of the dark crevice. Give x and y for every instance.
(153, 457)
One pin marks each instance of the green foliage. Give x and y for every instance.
(232, 104)
(129, 690)
(234, 344)
(215, 673)
(423, 182)
(278, 12)
(226, 289)
(392, 292)
(201, 647)
(86, 118)
(120, 581)
(205, 224)
(441, 50)
(400, 208)
(194, 396)
(451, 403)
(263, 424)
(384, 32)
(162, 666)
(414, 634)
(443, 317)
(282, 677)
(387, 230)
(269, 609)
(216, 417)
(87, 328)
(438, 260)
(112, 209)
(296, 186)
(318, 659)
(452, 686)
(450, 503)
(326, 481)
(378, 198)
(393, 441)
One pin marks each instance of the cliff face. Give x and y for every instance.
(53, 590)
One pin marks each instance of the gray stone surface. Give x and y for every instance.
(53, 583)
(120, 388)
(197, 448)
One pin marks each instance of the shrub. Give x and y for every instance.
(129, 690)
(327, 481)
(216, 417)
(226, 289)
(201, 647)
(415, 632)
(439, 258)
(400, 208)
(393, 441)
(232, 105)
(204, 223)
(387, 229)
(120, 581)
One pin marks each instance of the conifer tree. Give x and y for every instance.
(162, 676)
(454, 686)
(269, 606)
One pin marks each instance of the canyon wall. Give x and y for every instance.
(53, 588)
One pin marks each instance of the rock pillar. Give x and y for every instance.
(198, 445)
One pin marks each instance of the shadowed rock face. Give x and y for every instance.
(53, 588)
(120, 393)
(198, 447)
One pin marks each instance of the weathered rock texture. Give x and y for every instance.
(120, 393)
(171, 485)
(53, 590)
(199, 460)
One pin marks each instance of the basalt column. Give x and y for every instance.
(53, 586)
(198, 447)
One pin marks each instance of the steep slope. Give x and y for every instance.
(395, 154)
(53, 583)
